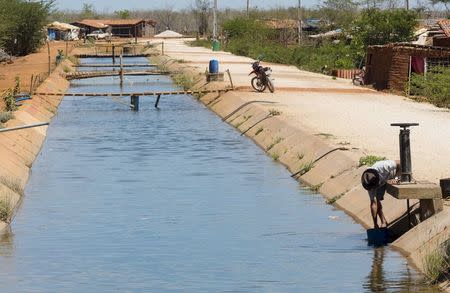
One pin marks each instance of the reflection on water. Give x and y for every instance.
(380, 279)
(176, 201)
(6, 243)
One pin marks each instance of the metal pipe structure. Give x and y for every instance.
(24, 126)
(405, 151)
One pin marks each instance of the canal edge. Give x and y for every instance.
(336, 176)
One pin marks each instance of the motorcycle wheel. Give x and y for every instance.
(258, 85)
(270, 85)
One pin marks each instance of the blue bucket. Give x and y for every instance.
(377, 237)
(213, 66)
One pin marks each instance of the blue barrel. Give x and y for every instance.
(213, 66)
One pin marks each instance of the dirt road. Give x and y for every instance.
(339, 111)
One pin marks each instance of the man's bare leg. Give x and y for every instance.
(374, 211)
(381, 214)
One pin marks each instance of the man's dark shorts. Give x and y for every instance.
(377, 192)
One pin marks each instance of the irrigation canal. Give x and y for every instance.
(174, 200)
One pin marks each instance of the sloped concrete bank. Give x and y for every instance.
(336, 175)
(18, 149)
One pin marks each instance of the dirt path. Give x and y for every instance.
(26, 66)
(352, 115)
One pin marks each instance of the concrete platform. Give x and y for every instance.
(420, 190)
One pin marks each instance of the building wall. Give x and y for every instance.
(378, 63)
(388, 66)
(441, 42)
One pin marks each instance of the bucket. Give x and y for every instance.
(216, 46)
(377, 237)
(445, 186)
(213, 66)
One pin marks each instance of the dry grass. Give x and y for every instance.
(437, 264)
(12, 184)
(6, 209)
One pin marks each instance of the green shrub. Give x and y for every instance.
(200, 43)
(21, 26)
(434, 86)
(369, 160)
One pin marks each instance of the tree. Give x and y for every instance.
(123, 14)
(21, 28)
(201, 15)
(339, 13)
(379, 27)
(88, 11)
(446, 3)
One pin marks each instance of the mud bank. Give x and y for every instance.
(332, 170)
(18, 149)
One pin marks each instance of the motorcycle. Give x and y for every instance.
(262, 78)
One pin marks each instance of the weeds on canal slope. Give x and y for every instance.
(369, 160)
(12, 184)
(6, 209)
(437, 264)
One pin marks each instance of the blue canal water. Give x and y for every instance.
(174, 200)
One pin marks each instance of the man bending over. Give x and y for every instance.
(374, 180)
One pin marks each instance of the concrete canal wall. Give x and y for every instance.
(336, 175)
(18, 149)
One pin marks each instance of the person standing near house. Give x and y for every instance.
(374, 180)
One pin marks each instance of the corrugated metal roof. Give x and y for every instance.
(124, 22)
(445, 26)
(95, 23)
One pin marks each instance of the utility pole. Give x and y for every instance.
(248, 7)
(215, 20)
(407, 4)
(299, 21)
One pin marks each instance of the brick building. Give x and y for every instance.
(119, 27)
(390, 66)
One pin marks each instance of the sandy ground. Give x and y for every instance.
(351, 115)
(26, 66)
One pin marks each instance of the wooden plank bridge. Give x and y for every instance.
(115, 65)
(134, 97)
(91, 74)
(111, 56)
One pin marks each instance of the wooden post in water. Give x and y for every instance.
(113, 54)
(134, 103)
(157, 101)
(121, 70)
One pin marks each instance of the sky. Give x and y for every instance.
(112, 5)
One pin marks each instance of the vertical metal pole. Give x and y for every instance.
(134, 103)
(408, 208)
(405, 151)
(157, 101)
(162, 48)
(248, 8)
(215, 21)
(299, 22)
(405, 155)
